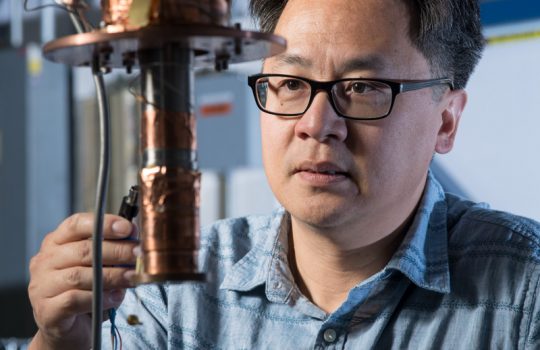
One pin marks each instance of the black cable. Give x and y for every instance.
(41, 7)
(77, 23)
(82, 26)
(103, 181)
(101, 192)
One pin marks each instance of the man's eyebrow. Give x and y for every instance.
(370, 62)
(291, 59)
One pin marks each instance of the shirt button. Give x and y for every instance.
(330, 335)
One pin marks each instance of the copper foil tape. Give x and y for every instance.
(133, 14)
(170, 201)
(170, 196)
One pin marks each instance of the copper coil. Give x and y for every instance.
(133, 14)
(169, 263)
(170, 220)
(170, 190)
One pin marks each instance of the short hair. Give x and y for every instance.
(447, 32)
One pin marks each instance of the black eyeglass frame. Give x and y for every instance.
(397, 87)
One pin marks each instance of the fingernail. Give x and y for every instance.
(129, 276)
(134, 231)
(122, 226)
(137, 251)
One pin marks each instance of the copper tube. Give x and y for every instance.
(162, 129)
(168, 178)
(190, 12)
(170, 225)
(116, 12)
(121, 15)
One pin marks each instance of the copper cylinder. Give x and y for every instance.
(134, 14)
(170, 212)
(116, 12)
(169, 178)
(191, 12)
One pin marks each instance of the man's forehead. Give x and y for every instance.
(371, 62)
(333, 39)
(325, 11)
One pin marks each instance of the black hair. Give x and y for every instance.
(447, 32)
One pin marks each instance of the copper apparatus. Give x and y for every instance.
(165, 40)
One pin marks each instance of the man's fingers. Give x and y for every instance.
(60, 310)
(60, 287)
(80, 226)
(75, 228)
(80, 278)
(80, 254)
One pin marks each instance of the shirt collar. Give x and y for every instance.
(422, 256)
(253, 269)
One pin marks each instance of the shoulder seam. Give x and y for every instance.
(524, 231)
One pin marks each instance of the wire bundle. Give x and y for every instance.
(116, 338)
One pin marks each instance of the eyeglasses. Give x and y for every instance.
(356, 98)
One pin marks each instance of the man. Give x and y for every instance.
(368, 251)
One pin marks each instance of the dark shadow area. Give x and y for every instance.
(17, 320)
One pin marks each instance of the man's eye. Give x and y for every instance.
(360, 87)
(292, 84)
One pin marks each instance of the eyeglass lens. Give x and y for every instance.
(352, 98)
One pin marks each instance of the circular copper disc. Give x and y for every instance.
(116, 50)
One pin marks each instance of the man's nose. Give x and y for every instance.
(321, 122)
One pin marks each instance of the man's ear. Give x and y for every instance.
(454, 103)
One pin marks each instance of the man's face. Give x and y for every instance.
(380, 165)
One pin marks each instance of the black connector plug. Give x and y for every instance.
(130, 207)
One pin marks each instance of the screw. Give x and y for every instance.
(238, 41)
(222, 62)
(128, 61)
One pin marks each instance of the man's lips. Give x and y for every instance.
(323, 168)
(321, 174)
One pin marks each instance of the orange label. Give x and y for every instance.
(213, 110)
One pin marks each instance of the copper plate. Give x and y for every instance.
(115, 50)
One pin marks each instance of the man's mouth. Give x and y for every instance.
(321, 173)
(329, 172)
(325, 168)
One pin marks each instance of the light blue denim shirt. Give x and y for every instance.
(465, 277)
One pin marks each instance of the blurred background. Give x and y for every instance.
(49, 136)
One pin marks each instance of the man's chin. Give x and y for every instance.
(319, 214)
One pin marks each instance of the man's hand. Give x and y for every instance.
(60, 286)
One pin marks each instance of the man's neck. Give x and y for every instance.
(325, 270)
